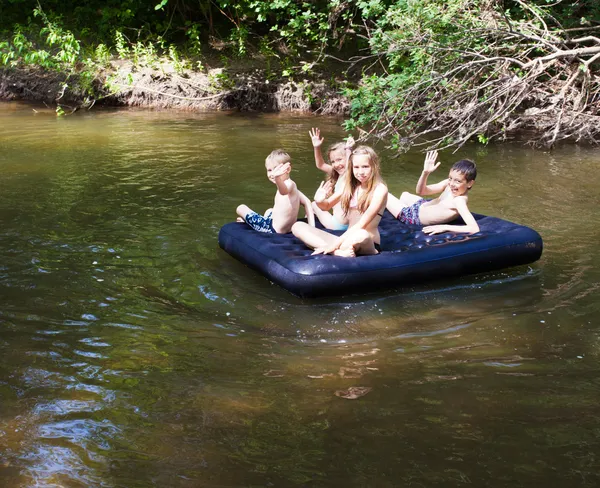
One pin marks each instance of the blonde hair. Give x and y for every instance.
(334, 176)
(278, 156)
(352, 183)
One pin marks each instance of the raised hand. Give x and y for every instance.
(325, 189)
(281, 170)
(315, 137)
(430, 165)
(350, 142)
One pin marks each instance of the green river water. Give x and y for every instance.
(134, 352)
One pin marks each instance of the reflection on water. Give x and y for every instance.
(133, 352)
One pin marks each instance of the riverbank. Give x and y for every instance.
(123, 83)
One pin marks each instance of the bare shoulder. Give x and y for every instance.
(461, 201)
(381, 188)
(380, 194)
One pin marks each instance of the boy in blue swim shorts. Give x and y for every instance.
(280, 218)
(452, 203)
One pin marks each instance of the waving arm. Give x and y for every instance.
(429, 166)
(317, 142)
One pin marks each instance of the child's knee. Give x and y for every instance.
(357, 238)
(297, 228)
(242, 210)
(361, 236)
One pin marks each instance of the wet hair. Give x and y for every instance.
(467, 168)
(278, 156)
(352, 183)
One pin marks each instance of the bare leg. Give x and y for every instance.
(407, 199)
(395, 205)
(242, 211)
(311, 236)
(357, 242)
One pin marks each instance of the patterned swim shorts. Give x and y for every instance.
(410, 215)
(260, 223)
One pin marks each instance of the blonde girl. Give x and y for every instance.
(338, 158)
(362, 200)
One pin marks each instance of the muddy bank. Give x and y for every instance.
(161, 86)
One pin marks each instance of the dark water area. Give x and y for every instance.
(134, 352)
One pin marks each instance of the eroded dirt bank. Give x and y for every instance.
(163, 87)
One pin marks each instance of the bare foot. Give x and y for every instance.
(239, 219)
(346, 253)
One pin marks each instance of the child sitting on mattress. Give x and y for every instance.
(288, 198)
(434, 214)
(362, 198)
(337, 154)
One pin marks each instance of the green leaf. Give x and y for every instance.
(161, 5)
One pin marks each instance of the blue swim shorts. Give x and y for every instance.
(410, 215)
(260, 223)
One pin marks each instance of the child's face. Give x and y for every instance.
(274, 169)
(457, 182)
(337, 159)
(361, 167)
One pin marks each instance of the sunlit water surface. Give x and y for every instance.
(134, 352)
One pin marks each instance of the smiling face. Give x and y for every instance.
(361, 167)
(337, 159)
(458, 184)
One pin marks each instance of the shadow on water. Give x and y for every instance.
(134, 352)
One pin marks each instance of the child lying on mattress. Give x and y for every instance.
(434, 214)
(288, 198)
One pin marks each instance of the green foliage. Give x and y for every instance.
(219, 81)
(400, 45)
(49, 46)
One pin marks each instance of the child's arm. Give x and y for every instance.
(377, 202)
(321, 199)
(470, 226)
(308, 210)
(317, 141)
(379, 198)
(429, 167)
(284, 186)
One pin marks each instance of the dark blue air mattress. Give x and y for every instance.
(407, 256)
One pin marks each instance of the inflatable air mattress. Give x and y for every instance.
(408, 256)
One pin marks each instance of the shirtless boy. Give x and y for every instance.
(433, 214)
(280, 218)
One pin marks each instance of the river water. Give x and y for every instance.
(134, 352)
